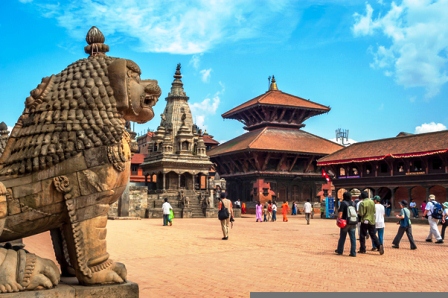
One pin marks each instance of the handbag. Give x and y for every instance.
(223, 213)
(404, 223)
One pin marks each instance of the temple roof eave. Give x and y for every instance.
(235, 115)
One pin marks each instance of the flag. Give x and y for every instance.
(325, 175)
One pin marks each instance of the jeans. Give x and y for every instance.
(380, 232)
(165, 219)
(350, 230)
(388, 211)
(415, 211)
(307, 217)
(274, 215)
(443, 229)
(367, 228)
(400, 233)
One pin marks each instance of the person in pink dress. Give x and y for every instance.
(258, 211)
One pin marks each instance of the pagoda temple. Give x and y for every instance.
(177, 159)
(275, 159)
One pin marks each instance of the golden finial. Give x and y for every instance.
(273, 84)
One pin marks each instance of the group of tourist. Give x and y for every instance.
(370, 215)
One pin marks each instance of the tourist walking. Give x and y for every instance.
(404, 226)
(433, 229)
(413, 206)
(258, 211)
(238, 204)
(307, 210)
(444, 219)
(294, 209)
(265, 211)
(357, 202)
(423, 207)
(387, 207)
(274, 211)
(379, 221)
(348, 229)
(285, 209)
(166, 207)
(225, 222)
(367, 214)
(269, 215)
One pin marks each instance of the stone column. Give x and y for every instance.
(163, 182)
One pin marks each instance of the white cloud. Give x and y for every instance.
(177, 27)
(206, 75)
(418, 33)
(195, 61)
(201, 110)
(429, 127)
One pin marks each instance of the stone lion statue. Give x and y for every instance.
(66, 160)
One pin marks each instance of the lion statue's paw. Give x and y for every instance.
(21, 270)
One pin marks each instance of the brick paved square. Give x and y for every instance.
(189, 259)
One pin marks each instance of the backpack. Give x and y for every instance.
(352, 216)
(223, 213)
(437, 211)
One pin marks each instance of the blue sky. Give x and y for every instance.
(381, 66)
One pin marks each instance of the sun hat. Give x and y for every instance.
(432, 197)
(445, 204)
(404, 203)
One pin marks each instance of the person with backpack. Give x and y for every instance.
(405, 226)
(350, 228)
(444, 220)
(432, 211)
(379, 221)
(367, 215)
(225, 203)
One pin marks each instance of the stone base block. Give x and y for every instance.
(69, 288)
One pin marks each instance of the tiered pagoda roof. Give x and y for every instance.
(273, 120)
(275, 108)
(277, 139)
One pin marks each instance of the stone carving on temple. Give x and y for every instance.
(66, 160)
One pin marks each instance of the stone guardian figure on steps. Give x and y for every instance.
(66, 160)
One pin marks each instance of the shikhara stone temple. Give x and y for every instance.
(177, 166)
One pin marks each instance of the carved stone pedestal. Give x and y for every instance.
(69, 288)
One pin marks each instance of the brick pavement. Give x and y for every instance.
(189, 259)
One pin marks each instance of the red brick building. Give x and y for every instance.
(407, 166)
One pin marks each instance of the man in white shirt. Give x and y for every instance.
(433, 229)
(307, 208)
(166, 207)
(380, 212)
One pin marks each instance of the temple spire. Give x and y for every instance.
(273, 84)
